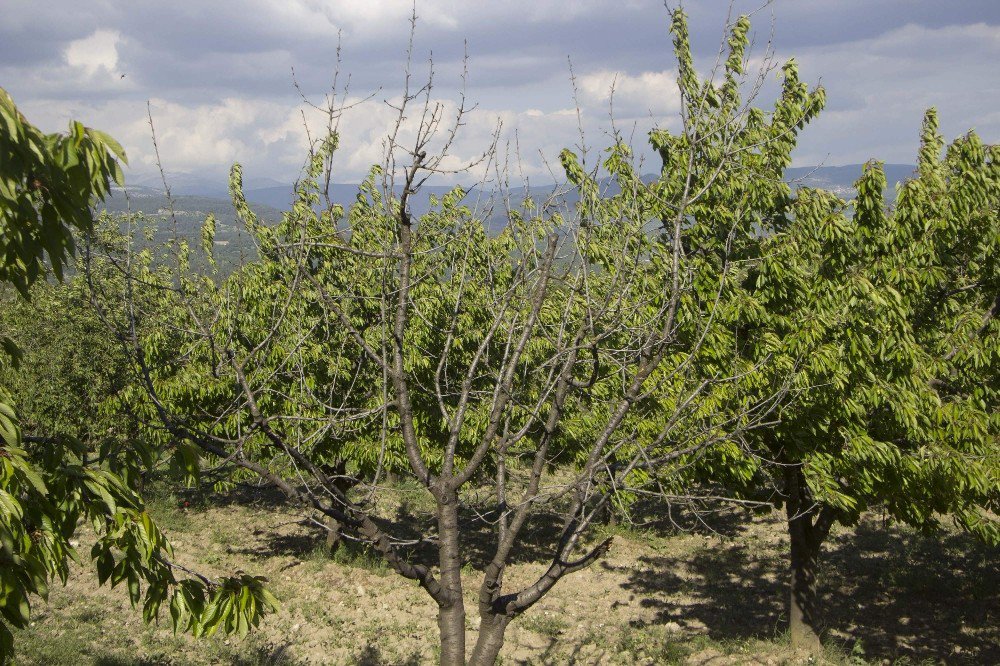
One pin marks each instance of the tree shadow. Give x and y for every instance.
(414, 530)
(669, 519)
(116, 660)
(414, 526)
(268, 655)
(536, 542)
(555, 654)
(245, 495)
(417, 530)
(371, 655)
(901, 593)
(297, 544)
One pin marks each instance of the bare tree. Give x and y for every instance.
(543, 369)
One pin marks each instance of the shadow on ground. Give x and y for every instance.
(262, 656)
(372, 655)
(903, 594)
(415, 530)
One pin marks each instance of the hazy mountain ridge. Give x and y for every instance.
(190, 189)
(840, 179)
(194, 198)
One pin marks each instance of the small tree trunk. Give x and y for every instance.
(333, 535)
(805, 540)
(338, 471)
(803, 612)
(607, 515)
(451, 612)
(492, 631)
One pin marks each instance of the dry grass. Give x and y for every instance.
(658, 598)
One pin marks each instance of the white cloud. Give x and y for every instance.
(646, 93)
(207, 137)
(94, 53)
(380, 16)
(270, 140)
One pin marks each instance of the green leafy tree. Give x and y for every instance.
(69, 366)
(889, 317)
(47, 186)
(724, 170)
(50, 484)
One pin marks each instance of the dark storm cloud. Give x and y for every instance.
(34, 34)
(882, 63)
(822, 22)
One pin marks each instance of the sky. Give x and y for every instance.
(217, 76)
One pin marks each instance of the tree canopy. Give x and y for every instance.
(887, 316)
(48, 485)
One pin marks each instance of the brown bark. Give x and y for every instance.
(451, 606)
(333, 535)
(803, 615)
(808, 525)
(338, 477)
(492, 631)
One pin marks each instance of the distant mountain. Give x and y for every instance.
(202, 185)
(195, 197)
(191, 197)
(154, 203)
(185, 214)
(840, 179)
(278, 195)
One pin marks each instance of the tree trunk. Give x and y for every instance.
(607, 515)
(343, 482)
(803, 614)
(807, 527)
(451, 625)
(333, 536)
(451, 610)
(490, 640)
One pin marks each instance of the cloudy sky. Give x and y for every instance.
(217, 75)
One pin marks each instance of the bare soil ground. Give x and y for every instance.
(712, 598)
